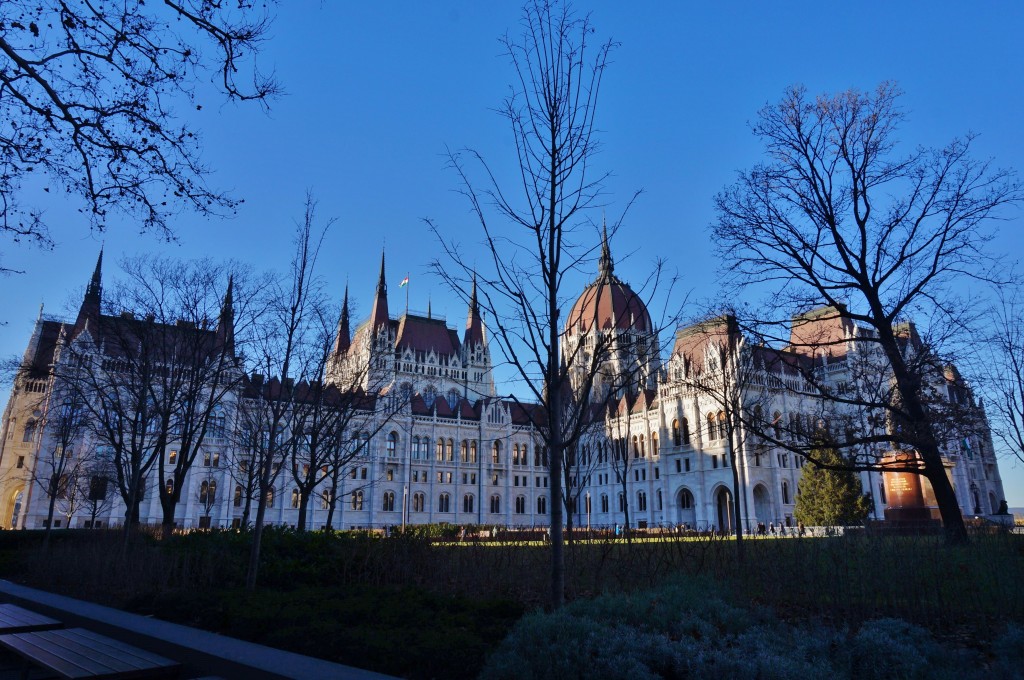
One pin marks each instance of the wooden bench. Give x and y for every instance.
(79, 653)
(15, 619)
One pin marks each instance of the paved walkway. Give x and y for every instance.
(202, 653)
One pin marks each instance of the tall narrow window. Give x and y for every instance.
(392, 443)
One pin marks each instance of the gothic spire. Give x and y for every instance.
(341, 342)
(379, 314)
(90, 309)
(226, 322)
(474, 324)
(605, 265)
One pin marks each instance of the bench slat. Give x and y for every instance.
(78, 653)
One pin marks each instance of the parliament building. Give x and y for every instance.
(453, 448)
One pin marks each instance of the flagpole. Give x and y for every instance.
(407, 294)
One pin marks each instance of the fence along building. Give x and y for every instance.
(449, 449)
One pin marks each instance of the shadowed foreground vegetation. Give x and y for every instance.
(413, 606)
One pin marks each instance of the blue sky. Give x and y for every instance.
(375, 93)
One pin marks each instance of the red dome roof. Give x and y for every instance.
(608, 303)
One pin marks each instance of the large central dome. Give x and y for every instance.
(608, 303)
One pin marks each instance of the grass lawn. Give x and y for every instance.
(408, 606)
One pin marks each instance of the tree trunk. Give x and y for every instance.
(168, 506)
(737, 522)
(254, 553)
(924, 439)
(49, 520)
(303, 508)
(330, 506)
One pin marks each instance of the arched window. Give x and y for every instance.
(357, 500)
(440, 450)
(388, 504)
(654, 443)
(444, 503)
(622, 502)
(785, 493)
(676, 437)
(686, 431)
(636, 446)
(295, 498)
(270, 497)
(686, 500)
(777, 424)
(515, 454)
(325, 499)
(472, 451)
(392, 443)
(712, 430)
(169, 485)
(464, 451)
(641, 501)
(659, 499)
(722, 431)
(30, 431)
(604, 502)
(419, 501)
(643, 449)
(496, 452)
(453, 399)
(449, 450)
(520, 505)
(467, 503)
(495, 504)
(238, 496)
(204, 492)
(542, 505)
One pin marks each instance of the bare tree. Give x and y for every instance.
(193, 331)
(206, 496)
(1006, 370)
(113, 367)
(88, 90)
(94, 479)
(551, 112)
(836, 216)
(60, 431)
(720, 367)
(267, 412)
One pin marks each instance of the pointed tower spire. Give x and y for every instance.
(605, 265)
(90, 309)
(226, 322)
(379, 315)
(430, 313)
(341, 342)
(474, 324)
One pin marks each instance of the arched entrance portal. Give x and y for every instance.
(723, 510)
(762, 504)
(13, 509)
(687, 512)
